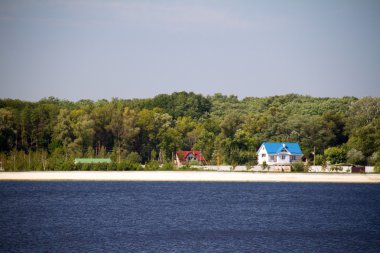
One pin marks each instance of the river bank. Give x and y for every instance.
(187, 176)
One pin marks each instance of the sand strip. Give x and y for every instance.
(190, 176)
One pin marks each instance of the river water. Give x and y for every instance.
(188, 217)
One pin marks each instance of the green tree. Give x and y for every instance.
(7, 130)
(336, 155)
(366, 138)
(83, 129)
(373, 159)
(181, 104)
(62, 131)
(130, 129)
(184, 127)
(355, 157)
(102, 114)
(152, 124)
(319, 160)
(362, 113)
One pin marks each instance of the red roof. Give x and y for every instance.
(196, 153)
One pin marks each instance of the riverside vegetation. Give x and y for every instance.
(50, 133)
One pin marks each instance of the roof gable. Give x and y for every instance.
(276, 147)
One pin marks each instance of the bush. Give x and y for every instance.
(188, 168)
(355, 157)
(336, 168)
(373, 159)
(152, 165)
(194, 163)
(125, 165)
(101, 166)
(336, 155)
(168, 166)
(319, 160)
(133, 157)
(298, 167)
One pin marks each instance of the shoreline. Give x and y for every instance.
(187, 176)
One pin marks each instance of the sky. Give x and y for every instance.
(95, 49)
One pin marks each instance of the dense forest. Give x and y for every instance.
(50, 133)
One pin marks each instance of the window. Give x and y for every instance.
(271, 158)
(283, 157)
(294, 158)
(190, 157)
(263, 155)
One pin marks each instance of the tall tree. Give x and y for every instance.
(63, 130)
(7, 130)
(83, 129)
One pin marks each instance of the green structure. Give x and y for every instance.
(92, 160)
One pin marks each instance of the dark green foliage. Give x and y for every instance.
(336, 155)
(319, 160)
(355, 157)
(50, 133)
(152, 165)
(179, 104)
(298, 167)
(168, 166)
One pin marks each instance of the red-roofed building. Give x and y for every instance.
(183, 157)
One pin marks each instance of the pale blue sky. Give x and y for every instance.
(103, 49)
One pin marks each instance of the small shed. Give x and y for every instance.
(92, 160)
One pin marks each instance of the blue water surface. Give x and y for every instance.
(188, 217)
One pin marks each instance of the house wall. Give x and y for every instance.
(178, 162)
(261, 159)
(277, 159)
(298, 158)
(286, 159)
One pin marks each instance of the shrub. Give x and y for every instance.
(298, 167)
(168, 166)
(125, 165)
(188, 167)
(319, 160)
(373, 159)
(336, 168)
(133, 157)
(355, 157)
(152, 165)
(336, 155)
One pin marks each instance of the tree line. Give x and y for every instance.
(50, 133)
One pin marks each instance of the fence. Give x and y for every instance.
(256, 168)
(285, 168)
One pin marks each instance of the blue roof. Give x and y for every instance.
(276, 147)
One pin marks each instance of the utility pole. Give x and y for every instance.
(314, 156)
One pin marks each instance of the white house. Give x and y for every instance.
(279, 153)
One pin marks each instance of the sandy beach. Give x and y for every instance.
(187, 176)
